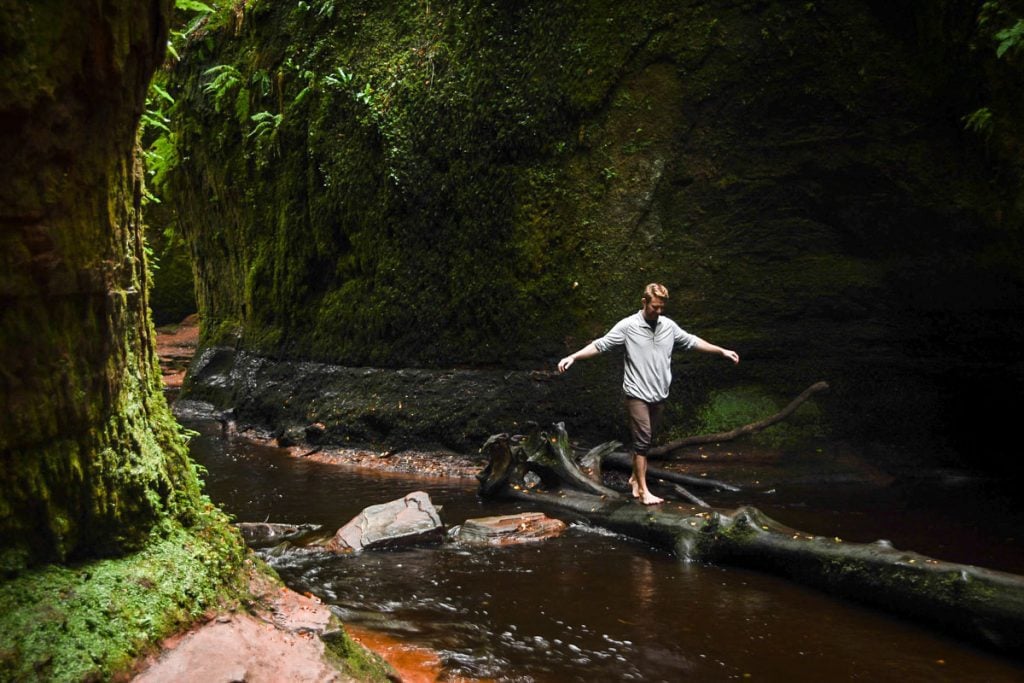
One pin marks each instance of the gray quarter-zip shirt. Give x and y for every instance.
(647, 373)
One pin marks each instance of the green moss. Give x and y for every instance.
(471, 183)
(172, 295)
(728, 409)
(355, 660)
(88, 621)
(396, 190)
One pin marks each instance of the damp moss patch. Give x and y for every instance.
(728, 409)
(92, 620)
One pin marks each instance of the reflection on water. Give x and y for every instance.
(587, 606)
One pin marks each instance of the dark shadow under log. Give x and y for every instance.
(981, 605)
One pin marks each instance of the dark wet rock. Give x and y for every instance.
(410, 519)
(193, 409)
(526, 527)
(290, 436)
(263, 534)
(314, 431)
(382, 408)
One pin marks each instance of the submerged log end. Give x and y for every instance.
(495, 476)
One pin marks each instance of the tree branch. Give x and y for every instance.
(741, 431)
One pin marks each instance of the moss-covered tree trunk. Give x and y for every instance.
(91, 459)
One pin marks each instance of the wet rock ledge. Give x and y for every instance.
(386, 408)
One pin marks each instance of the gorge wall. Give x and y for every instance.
(401, 215)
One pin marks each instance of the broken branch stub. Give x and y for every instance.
(592, 463)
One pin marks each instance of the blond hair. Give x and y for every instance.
(654, 290)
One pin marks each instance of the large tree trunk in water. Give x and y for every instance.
(982, 605)
(91, 458)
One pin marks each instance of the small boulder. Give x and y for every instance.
(315, 431)
(290, 436)
(526, 527)
(411, 519)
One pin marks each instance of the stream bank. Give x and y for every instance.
(277, 634)
(591, 604)
(440, 605)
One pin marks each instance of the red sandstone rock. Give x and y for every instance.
(281, 644)
(526, 527)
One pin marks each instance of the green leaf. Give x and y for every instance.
(302, 95)
(150, 120)
(163, 93)
(193, 5)
(1010, 38)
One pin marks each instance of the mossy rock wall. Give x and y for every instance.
(91, 456)
(489, 185)
(172, 297)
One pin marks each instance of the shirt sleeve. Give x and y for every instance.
(615, 337)
(684, 340)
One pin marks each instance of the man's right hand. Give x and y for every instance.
(565, 363)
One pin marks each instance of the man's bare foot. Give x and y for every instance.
(648, 498)
(635, 486)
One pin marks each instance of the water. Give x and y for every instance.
(592, 606)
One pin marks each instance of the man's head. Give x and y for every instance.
(654, 299)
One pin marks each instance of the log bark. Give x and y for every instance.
(549, 458)
(981, 605)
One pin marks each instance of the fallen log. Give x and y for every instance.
(686, 495)
(740, 431)
(550, 457)
(592, 464)
(624, 462)
(981, 605)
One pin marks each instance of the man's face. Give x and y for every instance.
(653, 308)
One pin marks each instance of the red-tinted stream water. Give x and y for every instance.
(591, 606)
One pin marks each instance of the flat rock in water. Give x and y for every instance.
(412, 519)
(525, 527)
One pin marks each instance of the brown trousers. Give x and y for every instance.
(643, 421)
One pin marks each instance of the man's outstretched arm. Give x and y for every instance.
(707, 347)
(588, 351)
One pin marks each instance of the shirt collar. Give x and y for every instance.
(643, 321)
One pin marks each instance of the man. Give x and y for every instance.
(649, 339)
